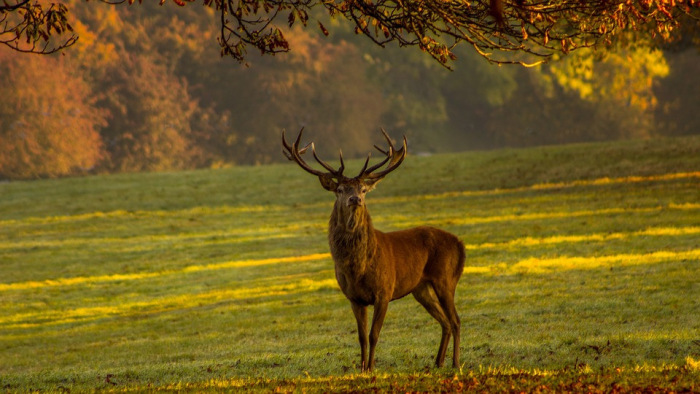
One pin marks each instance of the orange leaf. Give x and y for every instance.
(323, 29)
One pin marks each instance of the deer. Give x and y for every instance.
(374, 267)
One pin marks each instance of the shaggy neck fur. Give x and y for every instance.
(351, 237)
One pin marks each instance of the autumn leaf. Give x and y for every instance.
(323, 29)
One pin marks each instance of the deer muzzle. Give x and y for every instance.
(354, 201)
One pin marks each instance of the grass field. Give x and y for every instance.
(582, 274)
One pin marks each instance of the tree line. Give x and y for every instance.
(145, 89)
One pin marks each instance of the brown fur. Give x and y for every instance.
(374, 268)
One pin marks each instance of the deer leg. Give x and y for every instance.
(426, 296)
(380, 308)
(447, 301)
(360, 312)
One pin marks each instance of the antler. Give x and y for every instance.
(294, 153)
(393, 156)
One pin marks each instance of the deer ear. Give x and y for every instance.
(371, 183)
(328, 183)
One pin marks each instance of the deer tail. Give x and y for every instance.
(461, 258)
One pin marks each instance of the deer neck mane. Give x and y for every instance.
(351, 236)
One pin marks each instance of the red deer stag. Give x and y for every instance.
(373, 267)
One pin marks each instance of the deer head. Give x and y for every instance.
(350, 192)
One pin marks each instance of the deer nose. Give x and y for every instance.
(354, 200)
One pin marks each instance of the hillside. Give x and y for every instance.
(285, 185)
(581, 274)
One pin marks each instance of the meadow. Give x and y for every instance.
(582, 274)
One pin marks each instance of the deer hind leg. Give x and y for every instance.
(446, 298)
(425, 294)
(360, 312)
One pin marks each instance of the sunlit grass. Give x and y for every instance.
(548, 186)
(159, 305)
(150, 275)
(405, 221)
(221, 280)
(600, 237)
(123, 245)
(535, 265)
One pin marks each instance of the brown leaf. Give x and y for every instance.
(323, 29)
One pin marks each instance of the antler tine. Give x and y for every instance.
(364, 167)
(293, 153)
(301, 152)
(304, 149)
(389, 153)
(287, 148)
(394, 157)
(290, 151)
(336, 173)
(342, 164)
(368, 171)
(384, 152)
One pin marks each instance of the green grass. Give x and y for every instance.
(583, 274)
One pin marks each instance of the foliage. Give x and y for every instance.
(32, 27)
(436, 27)
(171, 102)
(50, 129)
(322, 85)
(675, 116)
(539, 29)
(623, 78)
(585, 96)
(151, 114)
(582, 267)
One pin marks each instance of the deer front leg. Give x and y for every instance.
(360, 312)
(380, 308)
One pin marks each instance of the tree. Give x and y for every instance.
(168, 101)
(321, 85)
(621, 82)
(48, 121)
(150, 126)
(30, 27)
(494, 28)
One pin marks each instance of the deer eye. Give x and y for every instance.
(363, 190)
